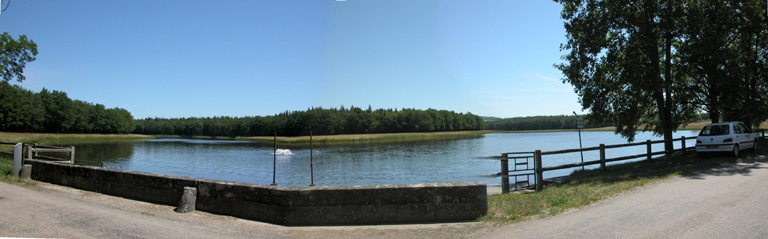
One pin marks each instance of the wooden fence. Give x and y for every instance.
(538, 170)
(33, 150)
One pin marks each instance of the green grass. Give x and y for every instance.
(6, 172)
(52, 139)
(583, 188)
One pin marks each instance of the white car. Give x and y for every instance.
(725, 137)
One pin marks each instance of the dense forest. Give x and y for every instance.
(22, 110)
(352, 120)
(536, 123)
(554, 122)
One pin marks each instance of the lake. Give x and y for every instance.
(457, 160)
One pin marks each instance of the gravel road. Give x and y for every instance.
(725, 202)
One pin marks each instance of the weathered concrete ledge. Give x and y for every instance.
(345, 205)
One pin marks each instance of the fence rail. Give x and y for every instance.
(33, 150)
(538, 170)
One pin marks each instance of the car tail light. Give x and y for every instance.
(698, 141)
(728, 140)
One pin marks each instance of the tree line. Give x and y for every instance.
(666, 60)
(320, 121)
(537, 123)
(22, 110)
(555, 122)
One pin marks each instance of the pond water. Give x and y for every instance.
(457, 160)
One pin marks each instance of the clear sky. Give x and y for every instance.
(251, 57)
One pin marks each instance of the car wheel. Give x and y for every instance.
(736, 150)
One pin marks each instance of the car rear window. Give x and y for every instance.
(711, 130)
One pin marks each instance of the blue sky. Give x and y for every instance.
(245, 58)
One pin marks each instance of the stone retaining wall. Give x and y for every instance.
(345, 205)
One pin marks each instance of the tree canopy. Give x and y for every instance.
(14, 56)
(54, 112)
(665, 60)
(352, 120)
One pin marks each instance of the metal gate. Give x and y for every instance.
(522, 172)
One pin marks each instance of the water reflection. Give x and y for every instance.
(349, 164)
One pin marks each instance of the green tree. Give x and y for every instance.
(621, 64)
(15, 55)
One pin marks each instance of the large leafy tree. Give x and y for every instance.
(650, 64)
(622, 65)
(723, 50)
(14, 56)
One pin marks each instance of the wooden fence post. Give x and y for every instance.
(504, 174)
(648, 150)
(602, 157)
(72, 154)
(539, 170)
(682, 142)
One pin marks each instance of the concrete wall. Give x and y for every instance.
(377, 204)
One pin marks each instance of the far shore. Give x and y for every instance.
(53, 138)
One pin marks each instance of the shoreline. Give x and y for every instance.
(56, 138)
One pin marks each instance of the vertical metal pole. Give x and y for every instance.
(602, 156)
(648, 150)
(579, 125)
(17, 149)
(539, 170)
(504, 174)
(274, 161)
(311, 161)
(581, 150)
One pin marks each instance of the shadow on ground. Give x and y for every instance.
(743, 167)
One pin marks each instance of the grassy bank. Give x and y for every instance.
(583, 188)
(363, 138)
(48, 139)
(6, 174)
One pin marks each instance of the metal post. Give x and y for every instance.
(274, 161)
(311, 161)
(602, 157)
(17, 149)
(648, 150)
(581, 151)
(539, 170)
(579, 125)
(504, 173)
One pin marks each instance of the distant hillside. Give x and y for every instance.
(536, 123)
(490, 118)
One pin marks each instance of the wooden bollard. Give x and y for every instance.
(188, 200)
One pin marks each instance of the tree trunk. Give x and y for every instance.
(667, 122)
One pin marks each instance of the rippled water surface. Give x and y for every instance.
(359, 164)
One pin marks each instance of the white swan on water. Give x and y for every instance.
(283, 152)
